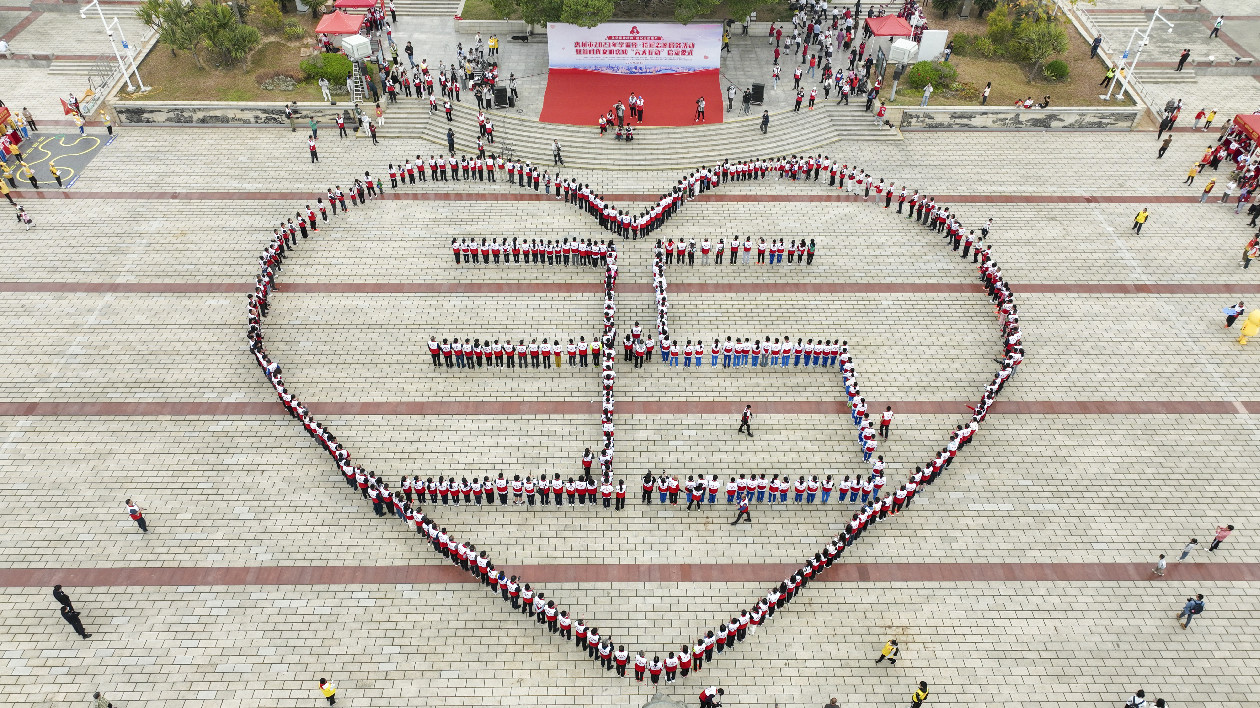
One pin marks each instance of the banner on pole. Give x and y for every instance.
(635, 48)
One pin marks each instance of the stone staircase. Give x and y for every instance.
(78, 67)
(1117, 28)
(1119, 20)
(428, 8)
(1165, 76)
(671, 147)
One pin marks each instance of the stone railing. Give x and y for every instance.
(996, 118)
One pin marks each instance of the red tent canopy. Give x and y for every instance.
(354, 4)
(1249, 124)
(889, 26)
(339, 23)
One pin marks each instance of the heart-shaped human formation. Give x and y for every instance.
(529, 600)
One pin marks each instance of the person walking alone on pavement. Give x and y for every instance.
(100, 701)
(1140, 219)
(917, 698)
(137, 515)
(1222, 532)
(1163, 148)
(765, 121)
(890, 653)
(1216, 27)
(1160, 565)
(69, 615)
(1194, 543)
(1194, 606)
(743, 511)
(745, 421)
(329, 689)
(556, 158)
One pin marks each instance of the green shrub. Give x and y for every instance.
(936, 73)
(963, 43)
(1057, 70)
(265, 15)
(293, 30)
(985, 47)
(1000, 26)
(919, 74)
(333, 67)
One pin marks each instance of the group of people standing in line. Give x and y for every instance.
(513, 590)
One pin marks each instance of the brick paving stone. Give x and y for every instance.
(1108, 479)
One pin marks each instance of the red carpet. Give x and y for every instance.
(580, 97)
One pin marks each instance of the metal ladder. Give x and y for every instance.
(360, 89)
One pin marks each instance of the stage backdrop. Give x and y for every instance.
(670, 65)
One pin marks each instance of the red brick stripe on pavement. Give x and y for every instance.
(17, 29)
(615, 198)
(500, 408)
(623, 573)
(633, 288)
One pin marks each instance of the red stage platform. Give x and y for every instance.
(580, 97)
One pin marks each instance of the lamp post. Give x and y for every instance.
(109, 31)
(1146, 38)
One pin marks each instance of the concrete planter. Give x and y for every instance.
(991, 118)
(210, 113)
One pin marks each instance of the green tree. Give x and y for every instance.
(1037, 41)
(318, 7)
(218, 29)
(687, 10)
(171, 20)
(504, 8)
(540, 12)
(983, 6)
(946, 6)
(739, 9)
(586, 13)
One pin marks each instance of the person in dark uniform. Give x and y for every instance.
(745, 421)
(69, 615)
(62, 597)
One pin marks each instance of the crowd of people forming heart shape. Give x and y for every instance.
(532, 602)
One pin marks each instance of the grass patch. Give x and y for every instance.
(177, 78)
(1010, 80)
(482, 10)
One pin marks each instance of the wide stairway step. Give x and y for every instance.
(428, 8)
(1115, 20)
(672, 147)
(76, 67)
(1166, 76)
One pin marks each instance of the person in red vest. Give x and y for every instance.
(709, 697)
(137, 515)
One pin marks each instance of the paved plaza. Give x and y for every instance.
(1022, 576)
